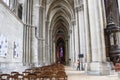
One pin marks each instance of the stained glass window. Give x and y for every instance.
(61, 52)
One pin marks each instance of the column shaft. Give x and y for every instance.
(119, 8)
(98, 65)
(47, 50)
(40, 33)
(71, 44)
(74, 54)
(27, 11)
(87, 33)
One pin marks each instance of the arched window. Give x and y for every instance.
(20, 11)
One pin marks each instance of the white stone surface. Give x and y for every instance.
(119, 5)
(12, 29)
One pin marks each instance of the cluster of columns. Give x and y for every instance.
(13, 5)
(90, 23)
(27, 32)
(39, 25)
(87, 36)
(36, 33)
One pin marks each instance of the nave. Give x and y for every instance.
(55, 72)
(37, 33)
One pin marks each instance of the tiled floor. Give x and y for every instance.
(81, 75)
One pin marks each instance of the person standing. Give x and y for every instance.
(78, 64)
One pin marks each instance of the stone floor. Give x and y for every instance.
(81, 75)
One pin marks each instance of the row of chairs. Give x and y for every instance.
(51, 72)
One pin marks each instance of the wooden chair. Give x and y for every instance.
(16, 76)
(5, 77)
(14, 72)
(30, 76)
(29, 70)
(46, 75)
(25, 73)
(20, 76)
(61, 75)
(37, 73)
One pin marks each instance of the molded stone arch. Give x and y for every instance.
(59, 15)
(58, 4)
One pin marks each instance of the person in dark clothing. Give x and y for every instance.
(78, 64)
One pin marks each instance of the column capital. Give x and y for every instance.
(79, 7)
(73, 21)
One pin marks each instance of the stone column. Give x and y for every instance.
(82, 34)
(88, 55)
(76, 29)
(119, 7)
(71, 45)
(77, 9)
(98, 65)
(53, 53)
(12, 7)
(51, 47)
(81, 27)
(81, 30)
(39, 31)
(27, 32)
(16, 6)
(67, 51)
(47, 44)
(73, 58)
(24, 33)
(40, 42)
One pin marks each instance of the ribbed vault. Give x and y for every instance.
(60, 14)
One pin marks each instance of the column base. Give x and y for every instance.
(98, 68)
(44, 64)
(40, 64)
(47, 63)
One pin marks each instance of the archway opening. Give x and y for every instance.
(59, 17)
(60, 53)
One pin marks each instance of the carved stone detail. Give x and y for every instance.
(79, 8)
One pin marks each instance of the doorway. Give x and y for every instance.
(60, 51)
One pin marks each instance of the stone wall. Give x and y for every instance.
(11, 38)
